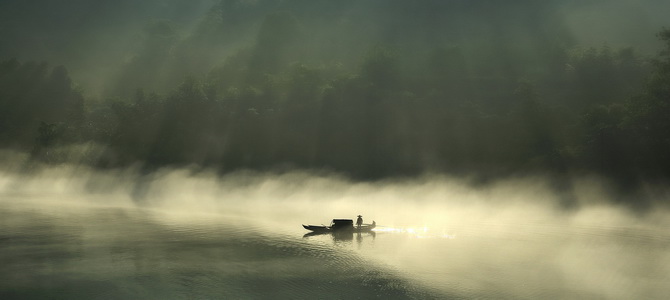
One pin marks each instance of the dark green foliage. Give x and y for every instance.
(603, 76)
(647, 116)
(34, 101)
(266, 84)
(156, 52)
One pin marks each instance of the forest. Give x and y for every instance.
(370, 89)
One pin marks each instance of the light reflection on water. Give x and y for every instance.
(527, 260)
(420, 233)
(122, 253)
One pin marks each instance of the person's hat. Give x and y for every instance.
(360, 216)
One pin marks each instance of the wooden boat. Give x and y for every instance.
(340, 225)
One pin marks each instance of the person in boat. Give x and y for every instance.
(359, 221)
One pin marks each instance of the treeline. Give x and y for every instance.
(438, 86)
(593, 110)
(38, 106)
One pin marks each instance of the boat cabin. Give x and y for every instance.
(342, 223)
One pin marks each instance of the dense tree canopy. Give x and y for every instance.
(507, 98)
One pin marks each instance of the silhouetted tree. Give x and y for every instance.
(648, 113)
(31, 94)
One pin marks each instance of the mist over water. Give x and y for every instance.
(437, 237)
(168, 149)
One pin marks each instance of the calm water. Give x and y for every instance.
(94, 252)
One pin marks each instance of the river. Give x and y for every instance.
(96, 248)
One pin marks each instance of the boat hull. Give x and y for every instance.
(326, 229)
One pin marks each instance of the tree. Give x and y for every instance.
(647, 116)
(32, 94)
(276, 42)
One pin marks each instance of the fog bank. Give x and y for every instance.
(447, 234)
(306, 197)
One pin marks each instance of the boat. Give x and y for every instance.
(340, 225)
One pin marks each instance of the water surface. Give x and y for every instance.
(92, 251)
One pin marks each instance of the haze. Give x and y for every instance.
(541, 121)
